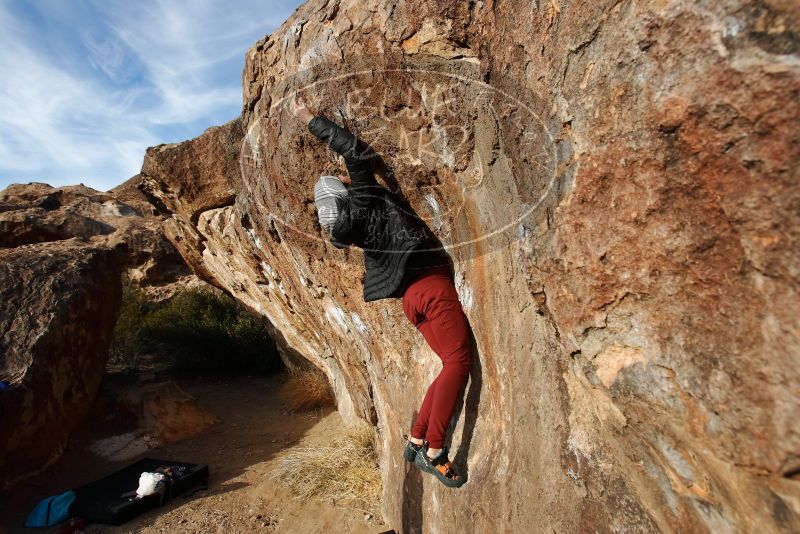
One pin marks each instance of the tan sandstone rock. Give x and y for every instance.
(617, 184)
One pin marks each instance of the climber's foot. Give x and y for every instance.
(440, 467)
(412, 447)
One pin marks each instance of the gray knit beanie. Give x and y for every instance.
(329, 195)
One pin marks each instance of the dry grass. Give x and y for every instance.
(346, 472)
(307, 389)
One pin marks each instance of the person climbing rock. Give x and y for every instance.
(402, 260)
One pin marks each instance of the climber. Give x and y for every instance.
(402, 260)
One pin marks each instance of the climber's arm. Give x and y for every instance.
(356, 154)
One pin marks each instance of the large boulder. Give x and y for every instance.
(37, 212)
(63, 252)
(617, 183)
(153, 262)
(58, 305)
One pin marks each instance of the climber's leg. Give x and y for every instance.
(415, 303)
(448, 334)
(421, 423)
(431, 304)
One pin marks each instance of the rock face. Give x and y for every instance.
(198, 176)
(153, 263)
(59, 303)
(617, 185)
(37, 212)
(62, 255)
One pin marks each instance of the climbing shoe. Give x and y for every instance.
(440, 467)
(411, 449)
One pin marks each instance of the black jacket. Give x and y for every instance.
(397, 246)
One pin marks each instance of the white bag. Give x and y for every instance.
(148, 482)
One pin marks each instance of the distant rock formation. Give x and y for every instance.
(63, 252)
(617, 183)
(153, 263)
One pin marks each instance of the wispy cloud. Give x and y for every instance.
(86, 90)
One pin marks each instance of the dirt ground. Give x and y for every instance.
(241, 452)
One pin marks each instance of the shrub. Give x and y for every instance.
(126, 344)
(346, 471)
(306, 389)
(197, 330)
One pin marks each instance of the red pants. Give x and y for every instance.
(431, 304)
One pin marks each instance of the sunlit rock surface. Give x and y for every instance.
(617, 185)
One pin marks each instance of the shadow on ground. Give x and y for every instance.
(254, 428)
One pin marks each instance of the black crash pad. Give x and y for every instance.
(108, 500)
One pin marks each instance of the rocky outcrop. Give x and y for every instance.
(617, 185)
(194, 177)
(153, 263)
(59, 303)
(37, 212)
(63, 252)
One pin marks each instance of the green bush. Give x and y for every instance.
(197, 330)
(127, 345)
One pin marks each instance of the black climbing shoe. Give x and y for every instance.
(411, 449)
(440, 467)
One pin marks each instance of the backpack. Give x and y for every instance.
(51, 511)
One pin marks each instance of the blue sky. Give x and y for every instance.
(87, 85)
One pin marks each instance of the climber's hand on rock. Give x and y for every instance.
(296, 105)
(300, 110)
